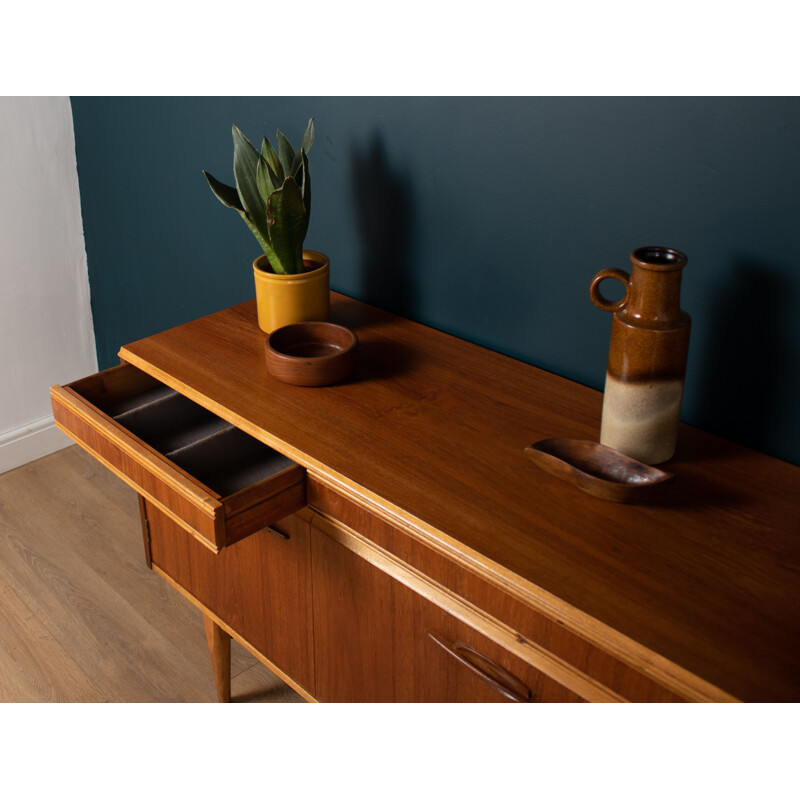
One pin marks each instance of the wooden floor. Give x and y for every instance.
(82, 619)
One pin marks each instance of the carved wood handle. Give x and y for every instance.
(490, 672)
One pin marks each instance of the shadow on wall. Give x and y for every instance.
(749, 367)
(382, 201)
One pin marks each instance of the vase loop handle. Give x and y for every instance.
(598, 299)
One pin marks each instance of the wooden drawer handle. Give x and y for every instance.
(490, 672)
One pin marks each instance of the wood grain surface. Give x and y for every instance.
(429, 434)
(260, 588)
(214, 520)
(83, 618)
(140, 466)
(375, 641)
(640, 684)
(219, 648)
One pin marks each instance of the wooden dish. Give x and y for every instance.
(311, 353)
(599, 470)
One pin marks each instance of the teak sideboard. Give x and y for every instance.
(387, 539)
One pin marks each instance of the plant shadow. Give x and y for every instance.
(383, 209)
(382, 359)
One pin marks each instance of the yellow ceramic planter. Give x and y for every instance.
(286, 299)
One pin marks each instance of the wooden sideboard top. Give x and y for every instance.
(430, 431)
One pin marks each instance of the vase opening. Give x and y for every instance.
(660, 256)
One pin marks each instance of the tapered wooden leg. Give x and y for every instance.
(219, 645)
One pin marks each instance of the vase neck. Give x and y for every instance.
(655, 285)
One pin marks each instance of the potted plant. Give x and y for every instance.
(273, 197)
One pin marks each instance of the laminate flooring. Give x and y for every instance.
(82, 618)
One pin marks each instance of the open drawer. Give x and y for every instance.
(213, 479)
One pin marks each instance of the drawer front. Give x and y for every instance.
(467, 667)
(258, 486)
(377, 640)
(529, 624)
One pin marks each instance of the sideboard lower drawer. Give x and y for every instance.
(213, 479)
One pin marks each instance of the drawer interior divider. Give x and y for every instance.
(212, 450)
(220, 483)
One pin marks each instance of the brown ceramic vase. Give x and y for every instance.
(647, 356)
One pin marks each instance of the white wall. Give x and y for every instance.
(46, 334)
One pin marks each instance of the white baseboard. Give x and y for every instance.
(29, 442)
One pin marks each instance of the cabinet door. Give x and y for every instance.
(376, 640)
(259, 587)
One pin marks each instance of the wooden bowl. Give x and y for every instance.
(311, 353)
(599, 470)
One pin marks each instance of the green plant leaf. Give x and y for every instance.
(245, 165)
(230, 197)
(266, 180)
(227, 195)
(286, 155)
(308, 137)
(287, 220)
(268, 153)
(264, 244)
(308, 140)
(305, 189)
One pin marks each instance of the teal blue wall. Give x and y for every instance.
(484, 217)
